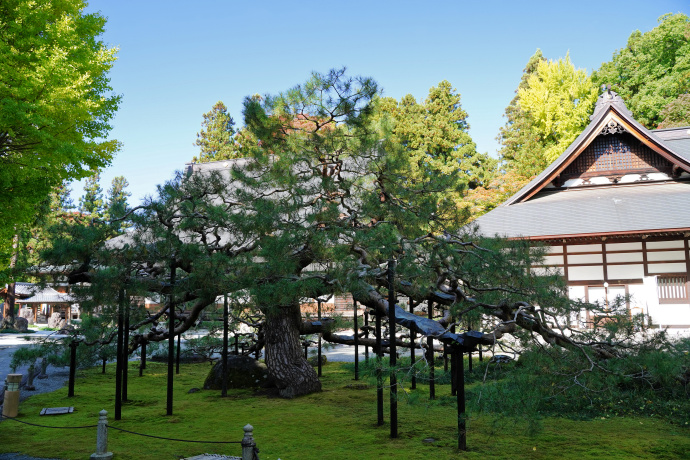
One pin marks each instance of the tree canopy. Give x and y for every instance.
(55, 106)
(216, 139)
(652, 71)
(559, 100)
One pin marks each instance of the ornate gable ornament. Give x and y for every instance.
(607, 99)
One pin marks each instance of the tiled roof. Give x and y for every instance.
(606, 209)
(48, 295)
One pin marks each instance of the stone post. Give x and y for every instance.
(10, 406)
(248, 443)
(102, 438)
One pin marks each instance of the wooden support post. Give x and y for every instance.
(469, 353)
(356, 341)
(226, 314)
(430, 352)
(171, 341)
(118, 354)
(379, 372)
(125, 352)
(460, 378)
(72, 367)
(105, 360)
(318, 317)
(177, 355)
(453, 370)
(142, 365)
(413, 337)
(393, 349)
(366, 333)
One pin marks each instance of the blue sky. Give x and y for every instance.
(177, 58)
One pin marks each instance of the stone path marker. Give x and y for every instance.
(57, 410)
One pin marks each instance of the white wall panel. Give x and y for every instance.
(552, 249)
(625, 272)
(666, 268)
(553, 260)
(592, 272)
(576, 292)
(585, 259)
(624, 257)
(670, 315)
(584, 248)
(665, 255)
(623, 246)
(665, 244)
(638, 298)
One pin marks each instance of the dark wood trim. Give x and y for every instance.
(644, 258)
(565, 261)
(628, 236)
(600, 283)
(603, 261)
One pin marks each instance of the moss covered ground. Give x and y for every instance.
(338, 423)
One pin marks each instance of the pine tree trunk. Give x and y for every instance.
(284, 356)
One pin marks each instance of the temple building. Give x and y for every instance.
(614, 214)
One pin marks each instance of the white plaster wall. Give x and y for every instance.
(665, 244)
(625, 272)
(624, 246)
(666, 268)
(584, 248)
(585, 259)
(624, 257)
(670, 314)
(590, 272)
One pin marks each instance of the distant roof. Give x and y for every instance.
(638, 208)
(48, 295)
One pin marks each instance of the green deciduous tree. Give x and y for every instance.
(216, 141)
(653, 70)
(559, 100)
(55, 106)
(676, 113)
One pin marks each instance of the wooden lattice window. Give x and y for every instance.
(616, 154)
(672, 288)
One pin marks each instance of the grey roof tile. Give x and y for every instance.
(606, 209)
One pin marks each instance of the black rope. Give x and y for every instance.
(120, 429)
(47, 426)
(173, 439)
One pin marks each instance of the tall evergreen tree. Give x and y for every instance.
(91, 202)
(216, 139)
(653, 70)
(434, 135)
(116, 203)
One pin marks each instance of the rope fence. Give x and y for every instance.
(249, 449)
